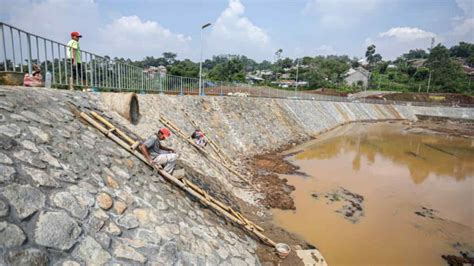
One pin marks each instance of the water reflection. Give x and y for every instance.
(422, 154)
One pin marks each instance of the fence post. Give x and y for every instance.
(4, 49)
(13, 50)
(181, 86)
(28, 44)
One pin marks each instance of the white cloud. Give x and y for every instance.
(54, 19)
(407, 34)
(131, 37)
(233, 33)
(463, 26)
(398, 40)
(340, 13)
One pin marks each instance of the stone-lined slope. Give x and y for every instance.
(70, 196)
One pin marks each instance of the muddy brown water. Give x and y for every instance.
(400, 173)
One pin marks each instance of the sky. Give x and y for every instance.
(254, 28)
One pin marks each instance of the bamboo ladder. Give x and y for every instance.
(226, 165)
(129, 144)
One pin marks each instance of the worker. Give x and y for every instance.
(35, 79)
(74, 54)
(199, 138)
(157, 154)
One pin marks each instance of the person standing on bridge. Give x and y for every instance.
(158, 154)
(74, 54)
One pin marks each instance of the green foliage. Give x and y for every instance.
(185, 68)
(415, 54)
(462, 50)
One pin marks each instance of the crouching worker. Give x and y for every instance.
(158, 154)
(199, 138)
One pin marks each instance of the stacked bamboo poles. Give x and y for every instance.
(128, 143)
(180, 133)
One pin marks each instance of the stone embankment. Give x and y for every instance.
(70, 196)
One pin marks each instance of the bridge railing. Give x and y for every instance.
(21, 50)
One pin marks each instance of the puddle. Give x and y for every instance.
(381, 194)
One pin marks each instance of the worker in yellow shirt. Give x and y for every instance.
(74, 54)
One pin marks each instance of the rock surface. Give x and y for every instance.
(56, 230)
(70, 196)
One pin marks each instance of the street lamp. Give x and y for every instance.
(200, 61)
(297, 68)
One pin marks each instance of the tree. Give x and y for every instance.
(446, 74)
(372, 57)
(278, 54)
(169, 57)
(415, 54)
(463, 50)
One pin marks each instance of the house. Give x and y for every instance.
(160, 70)
(356, 76)
(252, 79)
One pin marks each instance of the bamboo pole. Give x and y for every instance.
(185, 185)
(169, 124)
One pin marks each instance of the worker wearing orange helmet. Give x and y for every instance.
(158, 154)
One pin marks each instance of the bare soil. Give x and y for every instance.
(266, 169)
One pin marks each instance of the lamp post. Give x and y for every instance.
(297, 69)
(200, 61)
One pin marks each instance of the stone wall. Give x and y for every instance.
(70, 196)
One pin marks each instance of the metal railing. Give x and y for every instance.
(21, 50)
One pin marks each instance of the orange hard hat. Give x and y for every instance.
(165, 131)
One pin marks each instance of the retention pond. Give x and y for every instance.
(383, 193)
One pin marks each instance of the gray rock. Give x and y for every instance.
(35, 117)
(128, 221)
(69, 202)
(3, 208)
(7, 106)
(41, 136)
(164, 232)
(29, 146)
(41, 177)
(168, 254)
(5, 159)
(7, 143)
(236, 261)
(6, 173)
(56, 230)
(18, 117)
(119, 172)
(11, 235)
(91, 252)
(123, 251)
(48, 158)
(25, 199)
(148, 237)
(64, 133)
(29, 256)
(65, 176)
(161, 206)
(103, 239)
(222, 252)
(28, 157)
(68, 263)
(10, 130)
